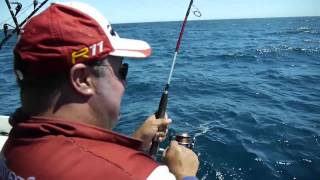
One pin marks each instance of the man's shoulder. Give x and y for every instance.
(110, 150)
(131, 161)
(76, 158)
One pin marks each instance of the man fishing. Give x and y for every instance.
(68, 63)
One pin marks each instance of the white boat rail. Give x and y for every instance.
(4, 129)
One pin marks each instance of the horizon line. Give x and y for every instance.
(218, 19)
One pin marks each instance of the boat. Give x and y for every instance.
(5, 128)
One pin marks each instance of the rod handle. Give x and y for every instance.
(161, 112)
(154, 147)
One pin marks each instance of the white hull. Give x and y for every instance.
(4, 129)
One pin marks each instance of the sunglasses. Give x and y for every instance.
(121, 73)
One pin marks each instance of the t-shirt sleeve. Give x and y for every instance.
(161, 172)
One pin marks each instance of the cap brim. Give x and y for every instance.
(120, 46)
(130, 48)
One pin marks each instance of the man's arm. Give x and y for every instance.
(182, 162)
(149, 129)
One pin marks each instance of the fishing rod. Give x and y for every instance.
(14, 17)
(160, 114)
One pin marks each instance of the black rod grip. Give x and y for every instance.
(161, 112)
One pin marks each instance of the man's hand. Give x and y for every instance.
(149, 129)
(181, 161)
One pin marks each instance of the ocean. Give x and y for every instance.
(248, 90)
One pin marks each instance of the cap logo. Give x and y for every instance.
(84, 52)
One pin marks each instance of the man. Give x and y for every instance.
(68, 62)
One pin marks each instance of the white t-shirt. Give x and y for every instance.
(161, 172)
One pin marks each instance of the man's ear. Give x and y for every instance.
(81, 79)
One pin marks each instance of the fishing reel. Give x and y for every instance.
(184, 139)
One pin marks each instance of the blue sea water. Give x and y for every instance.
(249, 90)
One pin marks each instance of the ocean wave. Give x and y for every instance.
(285, 48)
(303, 106)
(284, 162)
(254, 54)
(298, 30)
(312, 41)
(237, 56)
(269, 72)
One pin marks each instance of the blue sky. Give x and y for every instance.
(121, 11)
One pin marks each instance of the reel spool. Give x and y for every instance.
(184, 139)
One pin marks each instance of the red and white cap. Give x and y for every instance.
(68, 33)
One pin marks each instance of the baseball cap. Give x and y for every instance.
(68, 33)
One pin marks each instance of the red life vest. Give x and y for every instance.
(46, 148)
